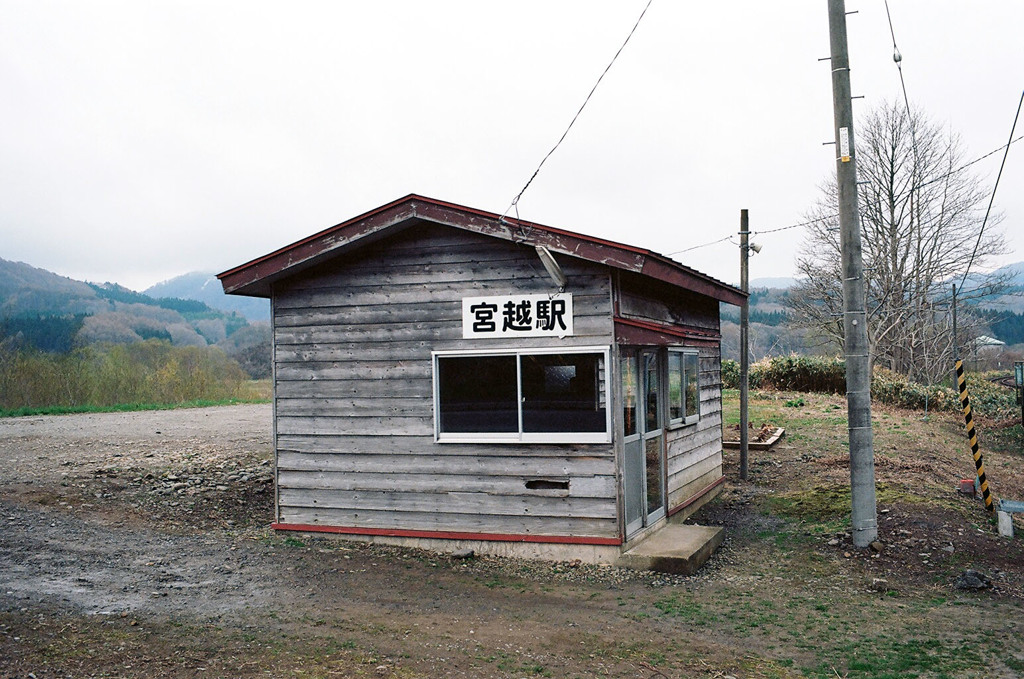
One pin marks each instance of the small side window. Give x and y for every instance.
(683, 386)
(675, 387)
(691, 375)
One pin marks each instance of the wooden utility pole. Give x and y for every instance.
(858, 366)
(744, 343)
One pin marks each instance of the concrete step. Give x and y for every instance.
(674, 548)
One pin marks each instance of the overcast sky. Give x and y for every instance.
(143, 140)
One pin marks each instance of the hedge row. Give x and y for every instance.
(828, 375)
(790, 373)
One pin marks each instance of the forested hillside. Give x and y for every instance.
(43, 311)
(773, 333)
(205, 287)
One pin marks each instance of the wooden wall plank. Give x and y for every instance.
(362, 406)
(356, 426)
(701, 467)
(512, 270)
(594, 326)
(312, 444)
(694, 486)
(367, 371)
(503, 525)
(423, 310)
(354, 400)
(666, 306)
(451, 503)
(330, 388)
(474, 465)
(445, 481)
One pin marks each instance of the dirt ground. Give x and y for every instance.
(137, 545)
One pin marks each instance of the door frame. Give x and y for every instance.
(635, 483)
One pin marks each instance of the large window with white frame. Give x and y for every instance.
(526, 395)
(683, 386)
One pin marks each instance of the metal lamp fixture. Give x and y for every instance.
(555, 271)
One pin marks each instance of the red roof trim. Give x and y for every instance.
(254, 277)
(681, 332)
(447, 534)
(316, 236)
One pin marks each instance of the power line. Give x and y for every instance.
(1004, 147)
(519, 195)
(993, 196)
(967, 165)
(930, 181)
(898, 58)
(795, 226)
(702, 245)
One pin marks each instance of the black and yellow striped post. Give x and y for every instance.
(965, 401)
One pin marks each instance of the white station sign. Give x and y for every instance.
(517, 316)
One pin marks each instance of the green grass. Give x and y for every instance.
(884, 658)
(124, 407)
(826, 503)
(827, 635)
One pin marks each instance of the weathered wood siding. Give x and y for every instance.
(649, 300)
(354, 402)
(694, 452)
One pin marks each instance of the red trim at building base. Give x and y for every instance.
(447, 535)
(696, 498)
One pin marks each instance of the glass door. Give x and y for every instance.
(653, 436)
(643, 437)
(633, 449)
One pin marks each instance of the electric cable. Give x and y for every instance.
(898, 58)
(967, 165)
(993, 196)
(515, 201)
(794, 226)
(702, 245)
(930, 181)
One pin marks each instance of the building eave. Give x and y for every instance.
(256, 278)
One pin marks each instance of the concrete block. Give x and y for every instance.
(674, 548)
(1005, 524)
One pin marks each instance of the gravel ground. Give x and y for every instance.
(158, 520)
(137, 544)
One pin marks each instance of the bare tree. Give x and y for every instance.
(921, 217)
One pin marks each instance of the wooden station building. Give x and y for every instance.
(448, 378)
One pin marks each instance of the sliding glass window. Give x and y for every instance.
(529, 396)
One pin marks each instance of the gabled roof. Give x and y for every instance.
(986, 341)
(256, 277)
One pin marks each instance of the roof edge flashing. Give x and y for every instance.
(256, 277)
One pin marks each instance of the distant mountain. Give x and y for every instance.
(40, 309)
(777, 283)
(1013, 300)
(1016, 272)
(205, 287)
(24, 289)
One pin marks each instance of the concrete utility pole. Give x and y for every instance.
(744, 343)
(858, 368)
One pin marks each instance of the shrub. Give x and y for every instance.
(730, 374)
(800, 373)
(990, 399)
(144, 372)
(894, 389)
(828, 375)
